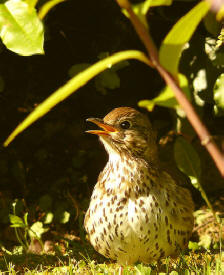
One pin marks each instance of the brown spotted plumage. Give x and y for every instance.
(137, 212)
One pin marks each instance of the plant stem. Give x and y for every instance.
(204, 196)
(171, 81)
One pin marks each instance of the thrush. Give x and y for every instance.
(137, 211)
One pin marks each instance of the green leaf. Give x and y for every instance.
(193, 246)
(143, 270)
(61, 215)
(73, 85)
(220, 14)
(166, 98)
(25, 217)
(180, 34)
(37, 229)
(48, 218)
(120, 65)
(211, 24)
(161, 3)
(77, 68)
(142, 9)
(200, 84)
(205, 241)
(107, 80)
(65, 217)
(219, 95)
(187, 160)
(16, 221)
(18, 250)
(20, 28)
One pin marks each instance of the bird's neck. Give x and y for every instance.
(123, 172)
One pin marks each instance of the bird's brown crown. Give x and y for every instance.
(120, 112)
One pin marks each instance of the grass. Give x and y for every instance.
(203, 262)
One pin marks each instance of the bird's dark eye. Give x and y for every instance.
(125, 124)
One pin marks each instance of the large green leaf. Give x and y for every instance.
(166, 98)
(187, 160)
(20, 28)
(219, 96)
(180, 34)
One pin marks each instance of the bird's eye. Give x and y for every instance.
(125, 124)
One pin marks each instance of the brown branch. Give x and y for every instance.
(192, 116)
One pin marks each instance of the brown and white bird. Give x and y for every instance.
(137, 211)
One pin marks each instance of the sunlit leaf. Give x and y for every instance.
(18, 250)
(20, 28)
(65, 217)
(187, 160)
(16, 221)
(220, 40)
(61, 215)
(180, 34)
(48, 218)
(161, 3)
(220, 14)
(205, 241)
(166, 98)
(219, 96)
(193, 246)
(25, 217)
(199, 85)
(37, 229)
(141, 269)
(142, 8)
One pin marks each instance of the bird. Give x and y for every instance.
(137, 211)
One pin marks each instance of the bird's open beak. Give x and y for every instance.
(107, 129)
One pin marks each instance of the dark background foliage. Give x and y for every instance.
(53, 165)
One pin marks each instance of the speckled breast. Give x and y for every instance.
(139, 220)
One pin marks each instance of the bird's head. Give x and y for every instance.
(127, 131)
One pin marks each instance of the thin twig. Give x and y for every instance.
(170, 80)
